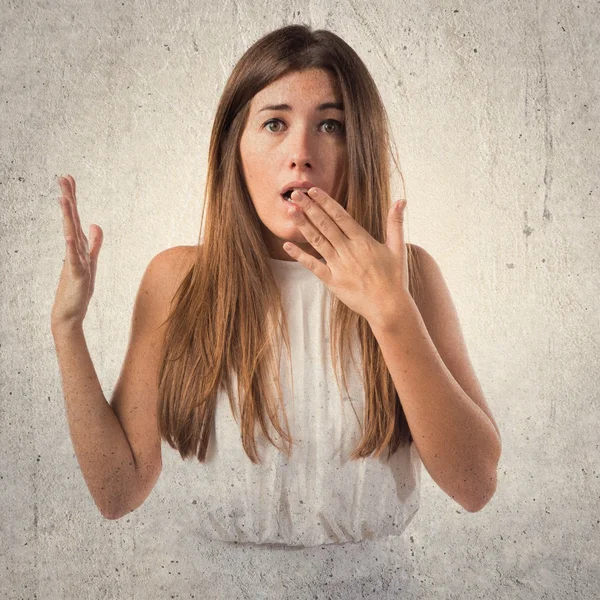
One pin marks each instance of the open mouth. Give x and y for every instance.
(288, 195)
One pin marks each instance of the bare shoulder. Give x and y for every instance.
(177, 258)
(431, 292)
(171, 266)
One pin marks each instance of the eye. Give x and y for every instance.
(271, 122)
(334, 122)
(328, 122)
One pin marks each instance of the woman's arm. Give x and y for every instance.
(452, 426)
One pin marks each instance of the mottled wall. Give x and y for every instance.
(494, 108)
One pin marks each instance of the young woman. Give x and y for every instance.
(204, 368)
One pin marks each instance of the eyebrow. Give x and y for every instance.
(324, 106)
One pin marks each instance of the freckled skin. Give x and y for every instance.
(300, 144)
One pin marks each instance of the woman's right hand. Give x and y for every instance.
(76, 283)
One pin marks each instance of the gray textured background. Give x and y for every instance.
(494, 108)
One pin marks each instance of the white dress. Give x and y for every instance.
(318, 495)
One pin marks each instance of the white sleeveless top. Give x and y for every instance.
(318, 495)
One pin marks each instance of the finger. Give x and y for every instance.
(344, 223)
(92, 236)
(96, 238)
(310, 262)
(80, 235)
(74, 191)
(316, 225)
(68, 187)
(68, 224)
(70, 228)
(72, 253)
(65, 187)
(395, 226)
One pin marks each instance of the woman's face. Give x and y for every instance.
(295, 141)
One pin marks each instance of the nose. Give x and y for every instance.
(300, 149)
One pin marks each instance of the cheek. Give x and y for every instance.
(258, 173)
(254, 157)
(252, 167)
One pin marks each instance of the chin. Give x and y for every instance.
(297, 239)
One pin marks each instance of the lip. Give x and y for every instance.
(297, 184)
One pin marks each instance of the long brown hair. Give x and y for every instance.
(223, 315)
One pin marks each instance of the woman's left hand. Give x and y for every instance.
(369, 277)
